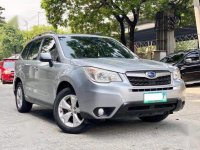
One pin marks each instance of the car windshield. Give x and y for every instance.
(94, 47)
(173, 58)
(9, 64)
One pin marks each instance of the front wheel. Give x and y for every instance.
(67, 112)
(156, 118)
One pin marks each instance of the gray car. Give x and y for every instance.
(87, 77)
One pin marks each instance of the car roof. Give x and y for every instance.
(67, 35)
(183, 52)
(7, 59)
(83, 35)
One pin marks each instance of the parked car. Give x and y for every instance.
(7, 70)
(189, 64)
(1, 64)
(89, 77)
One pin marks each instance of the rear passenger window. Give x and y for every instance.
(49, 45)
(33, 52)
(25, 51)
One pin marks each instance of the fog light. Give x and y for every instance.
(100, 112)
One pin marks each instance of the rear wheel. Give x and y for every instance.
(156, 118)
(67, 113)
(22, 105)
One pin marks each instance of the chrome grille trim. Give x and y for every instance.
(139, 78)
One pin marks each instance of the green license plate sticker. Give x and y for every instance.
(155, 97)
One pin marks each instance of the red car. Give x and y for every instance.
(7, 70)
(1, 63)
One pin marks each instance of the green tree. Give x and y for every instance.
(11, 40)
(95, 15)
(36, 30)
(1, 18)
(183, 10)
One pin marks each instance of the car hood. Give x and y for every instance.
(122, 65)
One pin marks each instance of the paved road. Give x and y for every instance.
(37, 130)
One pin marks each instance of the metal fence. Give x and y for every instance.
(187, 42)
(145, 49)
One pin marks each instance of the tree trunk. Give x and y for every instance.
(122, 28)
(132, 38)
(122, 33)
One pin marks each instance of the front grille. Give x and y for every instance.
(142, 81)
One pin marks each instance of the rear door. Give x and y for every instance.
(30, 69)
(191, 70)
(46, 76)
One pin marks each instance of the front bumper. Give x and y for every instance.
(122, 99)
(140, 109)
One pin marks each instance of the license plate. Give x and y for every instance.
(155, 97)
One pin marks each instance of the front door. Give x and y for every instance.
(46, 76)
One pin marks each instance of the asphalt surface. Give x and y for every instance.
(38, 131)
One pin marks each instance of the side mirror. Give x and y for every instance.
(46, 57)
(188, 60)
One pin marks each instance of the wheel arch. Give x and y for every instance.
(17, 80)
(64, 84)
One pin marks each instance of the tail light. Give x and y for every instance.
(7, 72)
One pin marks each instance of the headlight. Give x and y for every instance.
(176, 74)
(102, 76)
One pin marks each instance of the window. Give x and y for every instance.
(194, 56)
(173, 58)
(94, 47)
(9, 64)
(49, 45)
(25, 51)
(33, 52)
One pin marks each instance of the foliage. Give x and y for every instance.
(89, 16)
(11, 40)
(1, 18)
(184, 10)
(36, 30)
(64, 13)
(103, 16)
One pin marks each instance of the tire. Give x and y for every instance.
(3, 82)
(22, 105)
(156, 118)
(67, 113)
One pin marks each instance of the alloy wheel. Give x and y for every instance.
(19, 97)
(69, 112)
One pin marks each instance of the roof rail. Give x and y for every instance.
(49, 32)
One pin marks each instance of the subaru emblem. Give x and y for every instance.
(151, 74)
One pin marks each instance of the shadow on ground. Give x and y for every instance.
(117, 126)
(196, 85)
(44, 114)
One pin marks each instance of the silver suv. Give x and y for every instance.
(88, 77)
